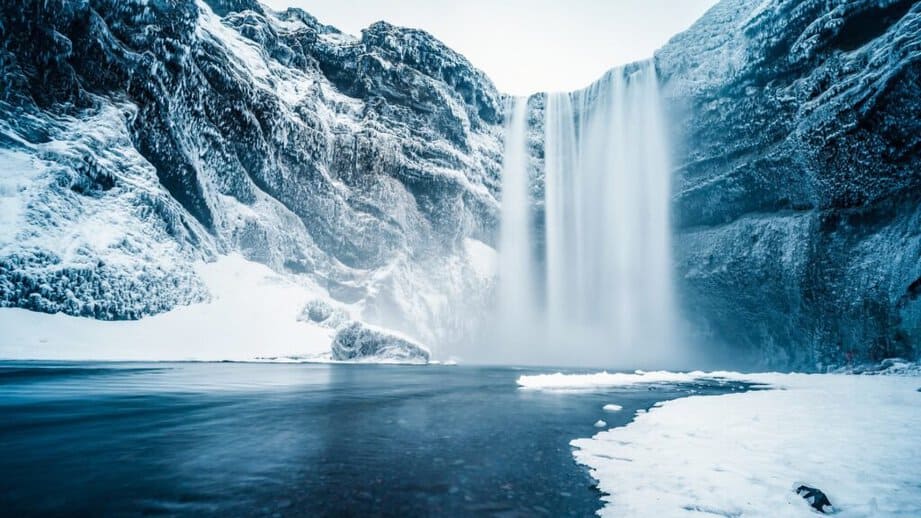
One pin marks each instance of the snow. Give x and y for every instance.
(289, 84)
(338, 38)
(247, 55)
(252, 314)
(18, 173)
(560, 381)
(31, 218)
(612, 408)
(482, 257)
(287, 24)
(852, 436)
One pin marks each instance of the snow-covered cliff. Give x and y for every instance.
(798, 196)
(140, 138)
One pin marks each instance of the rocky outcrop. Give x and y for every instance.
(358, 342)
(798, 182)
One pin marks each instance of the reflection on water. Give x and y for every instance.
(290, 440)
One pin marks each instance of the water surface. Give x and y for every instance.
(294, 440)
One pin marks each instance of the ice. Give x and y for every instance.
(612, 408)
(852, 436)
(600, 424)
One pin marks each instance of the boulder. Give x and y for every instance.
(360, 342)
(816, 498)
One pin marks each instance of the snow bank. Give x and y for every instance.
(560, 381)
(253, 313)
(854, 437)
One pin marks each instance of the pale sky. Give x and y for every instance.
(526, 46)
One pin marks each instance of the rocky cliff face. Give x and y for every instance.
(798, 203)
(139, 137)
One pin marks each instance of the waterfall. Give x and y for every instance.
(608, 249)
(517, 299)
(597, 289)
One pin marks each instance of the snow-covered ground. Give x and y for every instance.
(855, 437)
(253, 313)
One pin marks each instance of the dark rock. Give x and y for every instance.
(816, 498)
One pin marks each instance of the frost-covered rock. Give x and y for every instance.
(139, 138)
(321, 312)
(359, 342)
(887, 367)
(798, 193)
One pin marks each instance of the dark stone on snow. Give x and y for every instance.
(816, 498)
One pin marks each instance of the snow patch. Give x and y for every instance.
(560, 381)
(18, 175)
(253, 313)
(854, 437)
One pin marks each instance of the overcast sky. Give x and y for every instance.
(526, 46)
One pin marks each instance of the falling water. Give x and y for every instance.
(608, 279)
(517, 301)
(597, 289)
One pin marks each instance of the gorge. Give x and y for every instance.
(369, 172)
